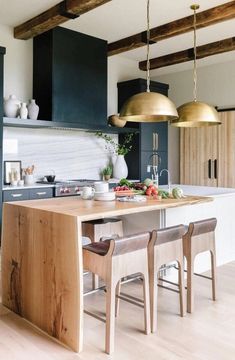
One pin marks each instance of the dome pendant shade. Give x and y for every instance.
(196, 114)
(148, 107)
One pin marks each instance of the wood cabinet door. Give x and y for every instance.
(226, 153)
(198, 152)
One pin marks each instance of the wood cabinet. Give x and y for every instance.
(70, 77)
(151, 137)
(207, 154)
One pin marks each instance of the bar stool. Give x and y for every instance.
(199, 238)
(112, 260)
(164, 247)
(97, 229)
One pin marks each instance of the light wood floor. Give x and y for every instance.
(208, 334)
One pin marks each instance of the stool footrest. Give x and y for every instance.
(95, 316)
(168, 288)
(130, 301)
(168, 282)
(200, 275)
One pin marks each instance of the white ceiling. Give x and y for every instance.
(120, 18)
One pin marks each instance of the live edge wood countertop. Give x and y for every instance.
(42, 268)
(90, 210)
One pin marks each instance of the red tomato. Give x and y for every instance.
(148, 192)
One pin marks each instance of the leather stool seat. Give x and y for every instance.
(100, 248)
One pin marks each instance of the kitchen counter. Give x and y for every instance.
(42, 272)
(202, 190)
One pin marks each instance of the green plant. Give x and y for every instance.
(107, 170)
(119, 148)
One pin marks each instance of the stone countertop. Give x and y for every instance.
(25, 187)
(202, 190)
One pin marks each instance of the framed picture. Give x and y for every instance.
(12, 171)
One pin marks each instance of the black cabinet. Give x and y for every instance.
(152, 137)
(70, 77)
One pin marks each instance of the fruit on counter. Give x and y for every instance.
(140, 186)
(151, 190)
(177, 193)
(164, 194)
(121, 188)
(148, 182)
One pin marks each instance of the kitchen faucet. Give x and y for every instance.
(154, 166)
(168, 178)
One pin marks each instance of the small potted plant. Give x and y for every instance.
(107, 172)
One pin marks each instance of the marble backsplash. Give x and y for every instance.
(70, 154)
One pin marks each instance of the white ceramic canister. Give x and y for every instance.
(11, 107)
(29, 179)
(33, 110)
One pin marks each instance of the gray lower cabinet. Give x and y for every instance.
(27, 194)
(40, 193)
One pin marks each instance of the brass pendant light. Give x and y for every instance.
(148, 106)
(196, 113)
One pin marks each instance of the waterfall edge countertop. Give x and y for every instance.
(42, 271)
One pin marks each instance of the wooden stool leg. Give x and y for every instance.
(181, 286)
(190, 289)
(146, 303)
(117, 302)
(213, 274)
(153, 291)
(110, 317)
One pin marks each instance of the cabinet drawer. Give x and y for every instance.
(15, 195)
(41, 193)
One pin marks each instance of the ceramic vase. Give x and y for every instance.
(23, 111)
(29, 179)
(33, 110)
(11, 107)
(120, 169)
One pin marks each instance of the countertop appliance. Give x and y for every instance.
(69, 187)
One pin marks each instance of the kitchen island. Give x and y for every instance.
(42, 271)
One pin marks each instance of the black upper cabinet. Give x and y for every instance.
(151, 137)
(70, 77)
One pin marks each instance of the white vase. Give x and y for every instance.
(23, 111)
(33, 110)
(11, 107)
(120, 169)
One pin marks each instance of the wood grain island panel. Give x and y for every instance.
(42, 267)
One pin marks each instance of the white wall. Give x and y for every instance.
(18, 67)
(120, 69)
(216, 86)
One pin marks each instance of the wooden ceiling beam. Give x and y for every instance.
(58, 14)
(181, 26)
(217, 47)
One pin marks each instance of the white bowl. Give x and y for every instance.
(107, 196)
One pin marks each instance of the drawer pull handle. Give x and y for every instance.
(16, 195)
(41, 193)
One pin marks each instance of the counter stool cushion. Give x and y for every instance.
(100, 248)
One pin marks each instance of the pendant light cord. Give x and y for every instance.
(148, 40)
(195, 55)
